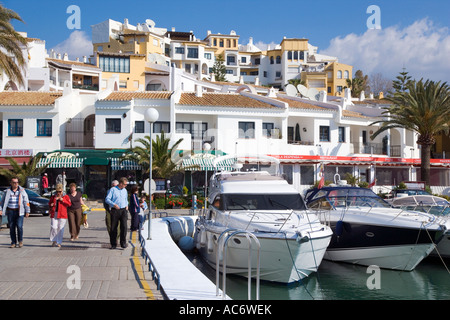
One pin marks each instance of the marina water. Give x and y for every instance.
(430, 280)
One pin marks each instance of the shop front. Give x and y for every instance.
(91, 170)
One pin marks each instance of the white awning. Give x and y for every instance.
(202, 164)
(61, 162)
(116, 164)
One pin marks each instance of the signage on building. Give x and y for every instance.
(16, 152)
(61, 155)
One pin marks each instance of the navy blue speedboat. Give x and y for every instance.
(369, 231)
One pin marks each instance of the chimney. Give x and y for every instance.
(85, 59)
(66, 57)
(362, 97)
(381, 95)
(256, 81)
(250, 41)
(173, 29)
(198, 91)
(77, 60)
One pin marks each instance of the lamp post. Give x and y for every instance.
(151, 115)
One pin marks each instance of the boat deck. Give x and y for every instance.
(179, 278)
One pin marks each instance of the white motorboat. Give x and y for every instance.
(369, 231)
(245, 205)
(430, 204)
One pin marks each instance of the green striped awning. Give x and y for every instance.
(116, 164)
(202, 164)
(61, 162)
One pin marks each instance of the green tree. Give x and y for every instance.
(424, 108)
(296, 82)
(219, 69)
(401, 82)
(358, 83)
(162, 164)
(23, 171)
(12, 60)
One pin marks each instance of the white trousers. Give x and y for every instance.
(57, 230)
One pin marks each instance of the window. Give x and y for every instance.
(324, 133)
(139, 127)
(123, 84)
(187, 67)
(196, 129)
(231, 59)
(278, 74)
(114, 64)
(341, 134)
(179, 50)
(265, 74)
(271, 60)
(15, 127)
(228, 71)
(302, 55)
(346, 75)
(246, 130)
(257, 61)
(221, 43)
(244, 59)
(267, 129)
(339, 74)
(278, 60)
(208, 56)
(339, 89)
(44, 128)
(113, 125)
(160, 126)
(296, 55)
(193, 53)
(154, 87)
(289, 55)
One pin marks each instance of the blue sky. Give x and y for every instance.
(414, 34)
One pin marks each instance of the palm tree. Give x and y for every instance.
(12, 60)
(162, 164)
(424, 108)
(23, 171)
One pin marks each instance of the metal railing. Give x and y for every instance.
(222, 243)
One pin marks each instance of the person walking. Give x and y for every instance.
(58, 213)
(74, 212)
(61, 179)
(108, 211)
(134, 208)
(117, 199)
(15, 205)
(44, 183)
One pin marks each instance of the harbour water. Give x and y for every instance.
(341, 281)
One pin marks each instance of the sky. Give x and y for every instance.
(413, 34)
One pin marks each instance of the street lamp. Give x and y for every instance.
(151, 115)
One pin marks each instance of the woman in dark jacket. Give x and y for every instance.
(134, 208)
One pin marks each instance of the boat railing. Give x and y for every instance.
(221, 254)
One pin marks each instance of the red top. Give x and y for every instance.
(62, 206)
(44, 182)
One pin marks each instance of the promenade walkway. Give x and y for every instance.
(84, 269)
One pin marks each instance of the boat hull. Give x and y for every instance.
(283, 260)
(388, 247)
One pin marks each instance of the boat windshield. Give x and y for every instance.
(347, 197)
(262, 202)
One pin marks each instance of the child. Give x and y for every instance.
(142, 213)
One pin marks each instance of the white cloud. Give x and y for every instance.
(421, 48)
(265, 46)
(76, 46)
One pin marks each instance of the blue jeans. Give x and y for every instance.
(15, 222)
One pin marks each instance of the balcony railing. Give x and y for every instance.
(377, 148)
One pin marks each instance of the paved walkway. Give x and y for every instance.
(84, 269)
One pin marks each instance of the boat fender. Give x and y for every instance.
(186, 243)
(339, 228)
(210, 243)
(202, 236)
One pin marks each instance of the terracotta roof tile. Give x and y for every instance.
(223, 100)
(352, 114)
(29, 98)
(300, 104)
(128, 96)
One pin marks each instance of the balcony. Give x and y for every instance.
(377, 148)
